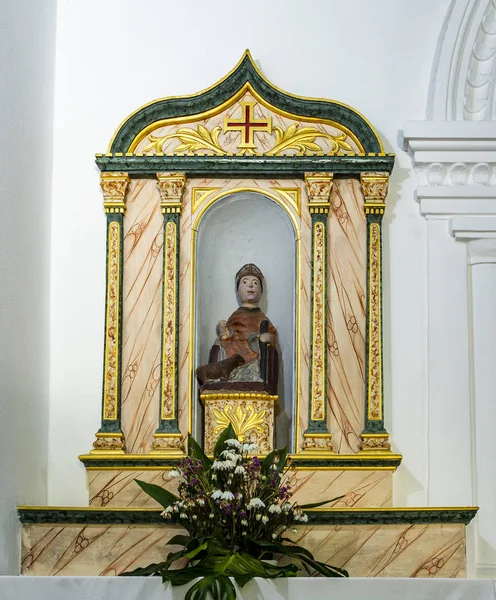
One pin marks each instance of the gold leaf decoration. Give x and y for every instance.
(191, 140)
(303, 140)
(243, 419)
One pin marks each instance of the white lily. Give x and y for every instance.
(217, 494)
(233, 442)
(256, 503)
(227, 496)
(275, 508)
(174, 473)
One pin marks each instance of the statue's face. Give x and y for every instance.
(249, 290)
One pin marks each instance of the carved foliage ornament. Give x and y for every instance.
(374, 186)
(169, 329)
(319, 186)
(294, 138)
(374, 356)
(111, 383)
(318, 346)
(171, 186)
(243, 419)
(114, 186)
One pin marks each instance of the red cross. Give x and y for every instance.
(247, 125)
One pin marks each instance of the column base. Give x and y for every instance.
(169, 444)
(375, 442)
(317, 442)
(109, 443)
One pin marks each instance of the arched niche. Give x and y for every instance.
(248, 227)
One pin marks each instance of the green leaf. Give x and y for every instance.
(153, 569)
(283, 454)
(227, 434)
(219, 588)
(316, 504)
(163, 497)
(268, 462)
(172, 557)
(197, 550)
(195, 451)
(179, 540)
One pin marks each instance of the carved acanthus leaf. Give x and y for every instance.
(191, 140)
(303, 140)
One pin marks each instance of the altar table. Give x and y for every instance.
(142, 588)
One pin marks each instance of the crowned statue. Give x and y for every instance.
(243, 357)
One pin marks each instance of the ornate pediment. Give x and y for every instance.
(242, 117)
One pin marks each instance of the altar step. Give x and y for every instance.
(368, 542)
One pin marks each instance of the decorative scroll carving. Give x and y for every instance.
(375, 443)
(111, 375)
(169, 399)
(109, 443)
(243, 418)
(167, 444)
(303, 140)
(374, 354)
(295, 138)
(318, 327)
(191, 140)
(317, 442)
(251, 414)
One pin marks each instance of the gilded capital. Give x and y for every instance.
(374, 187)
(319, 186)
(171, 187)
(114, 186)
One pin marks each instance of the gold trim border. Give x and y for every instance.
(382, 509)
(111, 412)
(196, 220)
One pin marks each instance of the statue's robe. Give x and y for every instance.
(244, 327)
(244, 334)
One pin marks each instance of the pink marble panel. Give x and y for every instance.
(142, 319)
(358, 488)
(346, 316)
(436, 550)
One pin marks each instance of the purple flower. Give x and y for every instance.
(242, 514)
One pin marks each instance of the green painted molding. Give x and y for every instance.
(244, 72)
(254, 166)
(336, 516)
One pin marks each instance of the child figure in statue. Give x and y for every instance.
(244, 353)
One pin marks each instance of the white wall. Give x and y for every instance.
(27, 55)
(116, 55)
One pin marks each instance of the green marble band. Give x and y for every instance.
(254, 166)
(337, 516)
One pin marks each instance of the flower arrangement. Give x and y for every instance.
(235, 509)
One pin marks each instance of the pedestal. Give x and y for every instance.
(251, 415)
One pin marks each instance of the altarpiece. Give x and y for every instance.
(196, 188)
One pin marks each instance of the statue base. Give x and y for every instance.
(250, 413)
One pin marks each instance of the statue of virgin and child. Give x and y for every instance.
(243, 358)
